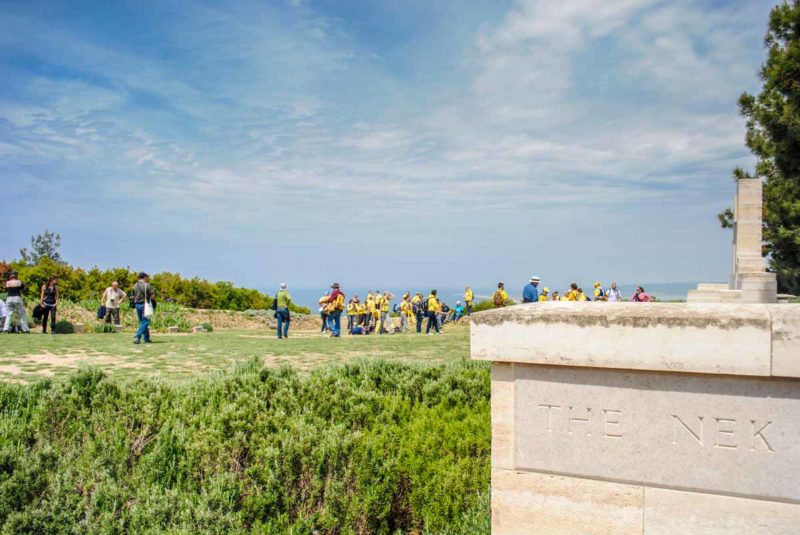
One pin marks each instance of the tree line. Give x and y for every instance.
(77, 284)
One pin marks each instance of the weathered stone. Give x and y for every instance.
(79, 328)
(785, 340)
(717, 434)
(526, 502)
(708, 338)
(669, 511)
(198, 329)
(173, 329)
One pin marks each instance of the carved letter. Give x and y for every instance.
(611, 417)
(760, 434)
(582, 420)
(697, 436)
(550, 415)
(725, 432)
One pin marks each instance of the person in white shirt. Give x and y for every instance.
(614, 294)
(112, 298)
(3, 312)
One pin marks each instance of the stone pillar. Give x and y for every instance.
(633, 417)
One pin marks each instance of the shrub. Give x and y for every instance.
(207, 326)
(368, 447)
(64, 327)
(104, 328)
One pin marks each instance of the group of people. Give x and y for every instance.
(142, 300)
(531, 294)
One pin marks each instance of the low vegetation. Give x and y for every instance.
(363, 447)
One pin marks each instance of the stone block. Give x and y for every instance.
(529, 502)
(173, 329)
(669, 511)
(79, 328)
(713, 287)
(725, 434)
(702, 338)
(198, 329)
(785, 340)
(502, 377)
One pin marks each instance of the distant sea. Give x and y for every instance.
(672, 291)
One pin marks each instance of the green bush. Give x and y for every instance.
(104, 328)
(368, 447)
(207, 326)
(64, 327)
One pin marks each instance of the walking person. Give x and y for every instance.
(336, 300)
(530, 294)
(15, 288)
(468, 297)
(48, 299)
(418, 308)
(143, 303)
(433, 312)
(112, 299)
(283, 300)
(323, 313)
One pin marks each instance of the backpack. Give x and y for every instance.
(424, 305)
(275, 303)
(497, 299)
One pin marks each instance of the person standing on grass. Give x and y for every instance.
(142, 295)
(385, 300)
(418, 308)
(48, 299)
(282, 311)
(15, 288)
(112, 299)
(336, 302)
(468, 297)
(433, 313)
(323, 313)
(405, 312)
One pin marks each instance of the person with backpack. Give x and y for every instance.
(614, 295)
(142, 298)
(432, 311)
(282, 301)
(48, 300)
(530, 294)
(418, 305)
(599, 292)
(406, 312)
(111, 299)
(334, 307)
(15, 288)
(500, 297)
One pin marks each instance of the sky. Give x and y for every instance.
(385, 142)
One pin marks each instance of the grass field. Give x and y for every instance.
(27, 358)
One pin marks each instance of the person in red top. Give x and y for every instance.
(336, 302)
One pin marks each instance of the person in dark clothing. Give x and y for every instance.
(49, 303)
(143, 298)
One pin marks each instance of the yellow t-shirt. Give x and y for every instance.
(543, 298)
(468, 296)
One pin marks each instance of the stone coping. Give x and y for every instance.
(716, 338)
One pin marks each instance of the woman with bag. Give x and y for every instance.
(49, 303)
(142, 296)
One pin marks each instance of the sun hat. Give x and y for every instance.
(535, 278)
(283, 286)
(335, 285)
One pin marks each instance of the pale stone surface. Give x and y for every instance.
(668, 512)
(526, 502)
(785, 340)
(198, 329)
(502, 376)
(704, 338)
(724, 434)
(79, 328)
(173, 329)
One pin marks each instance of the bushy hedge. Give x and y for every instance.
(369, 447)
(64, 327)
(77, 284)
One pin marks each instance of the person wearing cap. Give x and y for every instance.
(15, 288)
(599, 292)
(284, 299)
(335, 305)
(530, 294)
(458, 311)
(544, 295)
(142, 293)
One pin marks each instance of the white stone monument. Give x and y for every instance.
(644, 417)
(749, 281)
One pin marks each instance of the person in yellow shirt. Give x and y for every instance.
(352, 313)
(370, 308)
(544, 295)
(500, 297)
(581, 296)
(555, 296)
(599, 292)
(376, 311)
(385, 321)
(418, 310)
(468, 297)
(405, 312)
(433, 311)
(572, 293)
(361, 311)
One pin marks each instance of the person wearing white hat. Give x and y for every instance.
(531, 294)
(282, 302)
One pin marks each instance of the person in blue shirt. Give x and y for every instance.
(530, 294)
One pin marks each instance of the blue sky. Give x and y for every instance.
(388, 142)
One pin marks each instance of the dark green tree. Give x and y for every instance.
(773, 135)
(42, 246)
